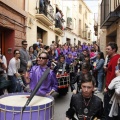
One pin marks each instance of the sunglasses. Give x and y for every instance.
(17, 53)
(43, 58)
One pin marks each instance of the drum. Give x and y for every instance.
(40, 108)
(63, 80)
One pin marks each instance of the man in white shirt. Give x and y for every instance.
(58, 19)
(14, 65)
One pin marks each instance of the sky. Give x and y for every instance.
(93, 5)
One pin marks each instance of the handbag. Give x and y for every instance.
(3, 82)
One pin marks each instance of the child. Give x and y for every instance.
(20, 78)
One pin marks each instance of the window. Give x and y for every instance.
(79, 28)
(68, 41)
(56, 39)
(74, 41)
(74, 23)
(89, 35)
(85, 14)
(80, 8)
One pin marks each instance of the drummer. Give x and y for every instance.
(85, 105)
(73, 52)
(78, 77)
(69, 59)
(50, 84)
(62, 65)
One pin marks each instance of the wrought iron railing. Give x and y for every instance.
(109, 9)
(80, 32)
(105, 9)
(46, 9)
(59, 23)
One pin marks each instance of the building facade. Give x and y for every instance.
(12, 25)
(32, 19)
(109, 23)
(41, 22)
(79, 22)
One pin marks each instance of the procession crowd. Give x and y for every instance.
(85, 64)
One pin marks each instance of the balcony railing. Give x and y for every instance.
(59, 26)
(96, 33)
(117, 5)
(59, 23)
(80, 32)
(45, 14)
(84, 34)
(95, 27)
(108, 12)
(50, 12)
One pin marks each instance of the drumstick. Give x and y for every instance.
(44, 76)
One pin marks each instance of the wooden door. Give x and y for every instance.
(2, 42)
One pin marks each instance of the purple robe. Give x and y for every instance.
(89, 48)
(47, 85)
(80, 50)
(69, 60)
(84, 47)
(65, 51)
(74, 54)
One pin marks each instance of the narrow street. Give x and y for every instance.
(61, 105)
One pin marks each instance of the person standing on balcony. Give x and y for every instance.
(58, 19)
(41, 9)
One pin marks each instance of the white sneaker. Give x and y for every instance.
(95, 89)
(97, 92)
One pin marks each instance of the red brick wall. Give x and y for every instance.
(13, 24)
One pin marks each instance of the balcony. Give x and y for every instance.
(58, 31)
(80, 32)
(84, 36)
(96, 33)
(95, 28)
(117, 5)
(59, 26)
(109, 13)
(45, 14)
(69, 23)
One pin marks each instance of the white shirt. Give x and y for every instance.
(57, 15)
(4, 61)
(13, 66)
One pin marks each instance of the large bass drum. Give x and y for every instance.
(63, 83)
(40, 108)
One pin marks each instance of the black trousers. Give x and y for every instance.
(107, 106)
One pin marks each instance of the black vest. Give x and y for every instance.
(95, 107)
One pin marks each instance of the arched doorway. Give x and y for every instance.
(7, 42)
